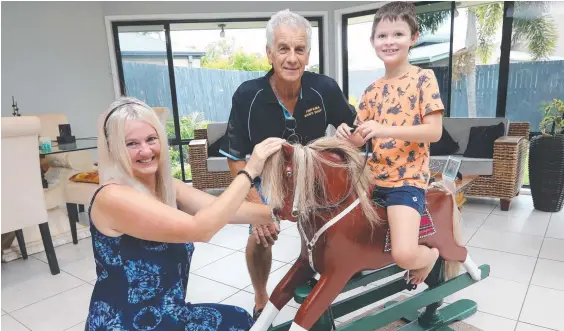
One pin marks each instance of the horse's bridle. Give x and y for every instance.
(310, 243)
(295, 211)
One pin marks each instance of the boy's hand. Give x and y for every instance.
(371, 129)
(343, 131)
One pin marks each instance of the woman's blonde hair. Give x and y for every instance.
(114, 160)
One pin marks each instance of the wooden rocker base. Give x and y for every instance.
(431, 298)
(440, 319)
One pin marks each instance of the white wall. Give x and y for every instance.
(55, 59)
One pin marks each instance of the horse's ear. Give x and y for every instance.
(288, 151)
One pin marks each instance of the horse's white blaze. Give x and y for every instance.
(296, 327)
(296, 198)
(266, 317)
(472, 268)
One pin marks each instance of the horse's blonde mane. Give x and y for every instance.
(312, 179)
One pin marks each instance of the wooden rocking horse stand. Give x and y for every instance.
(324, 188)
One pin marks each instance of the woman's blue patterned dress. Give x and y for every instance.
(141, 286)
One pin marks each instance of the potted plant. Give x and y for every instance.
(546, 159)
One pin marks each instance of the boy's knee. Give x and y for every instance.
(404, 257)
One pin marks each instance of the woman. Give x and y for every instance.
(143, 223)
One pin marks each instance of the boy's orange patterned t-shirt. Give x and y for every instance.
(402, 101)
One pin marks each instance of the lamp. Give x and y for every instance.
(222, 32)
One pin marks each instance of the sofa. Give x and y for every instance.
(500, 173)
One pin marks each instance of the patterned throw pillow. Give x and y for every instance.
(86, 177)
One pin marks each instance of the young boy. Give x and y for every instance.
(402, 113)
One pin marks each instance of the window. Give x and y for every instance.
(361, 66)
(192, 67)
(536, 66)
(477, 38)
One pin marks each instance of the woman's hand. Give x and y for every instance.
(261, 152)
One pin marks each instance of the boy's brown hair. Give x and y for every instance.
(397, 10)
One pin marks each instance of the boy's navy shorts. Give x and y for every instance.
(410, 196)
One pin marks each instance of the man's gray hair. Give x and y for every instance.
(289, 19)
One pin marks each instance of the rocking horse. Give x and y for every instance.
(325, 188)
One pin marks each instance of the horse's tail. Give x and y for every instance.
(452, 268)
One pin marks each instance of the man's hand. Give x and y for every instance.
(343, 131)
(371, 129)
(266, 234)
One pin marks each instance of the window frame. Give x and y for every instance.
(113, 24)
(343, 15)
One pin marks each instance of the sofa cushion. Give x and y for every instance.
(86, 177)
(459, 128)
(481, 140)
(445, 146)
(216, 131)
(468, 165)
(219, 164)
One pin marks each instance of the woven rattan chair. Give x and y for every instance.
(202, 177)
(510, 156)
(509, 164)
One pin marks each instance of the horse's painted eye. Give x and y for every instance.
(288, 173)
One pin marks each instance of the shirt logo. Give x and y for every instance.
(312, 111)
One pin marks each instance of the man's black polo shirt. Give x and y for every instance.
(257, 115)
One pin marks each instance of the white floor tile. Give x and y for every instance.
(199, 290)
(292, 231)
(78, 327)
(473, 219)
(246, 301)
(10, 324)
(286, 224)
(529, 327)
(489, 322)
(84, 268)
(543, 307)
(231, 270)
(494, 296)
(35, 289)
(481, 205)
(205, 254)
(552, 249)
(508, 266)
(70, 252)
(556, 226)
(521, 203)
(59, 312)
(523, 223)
(14, 272)
(231, 236)
(549, 273)
(467, 233)
(507, 242)
(273, 279)
(286, 249)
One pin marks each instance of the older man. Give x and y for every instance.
(290, 103)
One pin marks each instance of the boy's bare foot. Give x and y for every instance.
(418, 276)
